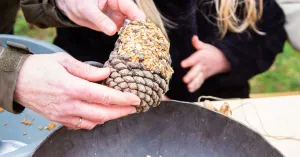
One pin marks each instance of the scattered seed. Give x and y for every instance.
(41, 128)
(5, 124)
(26, 122)
(1, 109)
(51, 126)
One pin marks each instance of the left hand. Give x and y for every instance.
(101, 15)
(204, 63)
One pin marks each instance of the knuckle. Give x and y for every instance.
(68, 109)
(61, 55)
(102, 119)
(71, 89)
(52, 118)
(105, 98)
(81, 8)
(92, 126)
(100, 20)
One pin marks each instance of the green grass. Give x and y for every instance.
(283, 76)
(22, 28)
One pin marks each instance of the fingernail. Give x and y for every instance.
(110, 29)
(133, 111)
(107, 70)
(191, 89)
(136, 100)
(182, 64)
(186, 80)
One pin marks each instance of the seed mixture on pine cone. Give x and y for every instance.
(141, 63)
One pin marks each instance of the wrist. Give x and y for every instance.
(220, 65)
(224, 64)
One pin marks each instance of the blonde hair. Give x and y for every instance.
(227, 19)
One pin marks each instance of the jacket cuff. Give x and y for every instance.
(11, 60)
(234, 76)
(45, 14)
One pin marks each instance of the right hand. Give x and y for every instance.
(61, 88)
(101, 15)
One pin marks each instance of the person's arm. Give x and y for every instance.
(45, 14)
(11, 60)
(249, 53)
(59, 87)
(103, 16)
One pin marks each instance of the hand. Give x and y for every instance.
(61, 88)
(101, 15)
(206, 62)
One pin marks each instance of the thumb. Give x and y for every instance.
(84, 70)
(100, 20)
(197, 43)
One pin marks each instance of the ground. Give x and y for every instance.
(283, 76)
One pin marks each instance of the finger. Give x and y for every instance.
(191, 60)
(196, 83)
(83, 22)
(76, 17)
(83, 70)
(131, 10)
(192, 74)
(166, 98)
(75, 124)
(118, 18)
(100, 113)
(93, 14)
(96, 93)
(198, 45)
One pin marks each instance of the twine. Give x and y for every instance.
(265, 132)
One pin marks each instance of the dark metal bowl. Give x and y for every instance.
(174, 129)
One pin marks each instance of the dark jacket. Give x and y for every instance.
(249, 53)
(8, 12)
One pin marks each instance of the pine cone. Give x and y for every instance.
(140, 63)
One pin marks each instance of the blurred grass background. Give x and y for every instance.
(283, 76)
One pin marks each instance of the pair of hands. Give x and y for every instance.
(62, 88)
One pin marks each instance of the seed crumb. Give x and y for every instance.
(5, 124)
(26, 122)
(1, 109)
(51, 126)
(41, 128)
(24, 133)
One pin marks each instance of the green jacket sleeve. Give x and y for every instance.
(44, 14)
(11, 60)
